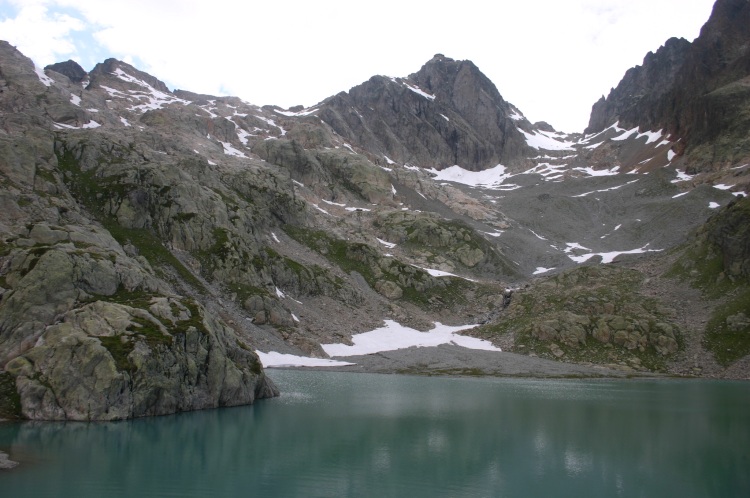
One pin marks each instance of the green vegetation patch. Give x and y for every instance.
(97, 193)
(10, 400)
(717, 261)
(728, 330)
(589, 314)
(418, 286)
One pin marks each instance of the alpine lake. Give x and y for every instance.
(336, 434)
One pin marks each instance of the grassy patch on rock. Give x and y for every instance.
(717, 261)
(97, 193)
(387, 275)
(10, 400)
(591, 314)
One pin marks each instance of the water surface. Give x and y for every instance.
(347, 434)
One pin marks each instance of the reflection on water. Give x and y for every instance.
(345, 434)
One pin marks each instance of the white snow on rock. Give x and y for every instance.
(682, 176)
(491, 178)
(545, 140)
(395, 336)
(389, 245)
(273, 359)
(272, 123)
(303, 112)
(46, 80)
(607, 257)
(419, 91)
(231, 151)
(125, 121)
(721, 186)
(441, 273)
(599, 172)
(152, 98)
(605, 189)
(333, 203)
(653, 136)
(713, 205)
(625, 135)
(75, 100)
(670, 155)
(275, 238)
(540, 269)
(89, 125)
(516, 116)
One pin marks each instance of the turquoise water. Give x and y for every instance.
(342, 434)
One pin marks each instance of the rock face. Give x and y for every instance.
(89, 330)
(69, 68)
(447, 113)
(592, 314)
(697, 92)
(636, 101)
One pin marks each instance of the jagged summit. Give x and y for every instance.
(697, 93)
(445, 114)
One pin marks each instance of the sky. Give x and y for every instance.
(552, 59)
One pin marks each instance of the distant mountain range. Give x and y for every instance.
(154, 241)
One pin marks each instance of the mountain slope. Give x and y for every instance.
(162, 239)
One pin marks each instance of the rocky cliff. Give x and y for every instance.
(696, 92)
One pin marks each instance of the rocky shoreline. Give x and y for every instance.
(452, 360)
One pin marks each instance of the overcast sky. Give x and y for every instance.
(550, 58)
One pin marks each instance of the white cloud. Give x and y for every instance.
(42, 35)
(551, 59)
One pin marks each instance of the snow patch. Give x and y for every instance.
(46, 80)
(231, 151)
(389, 245)
(601, 172)
(540, 269)
(607, 257)
(491, 178)
(606, 189)
(546, 140)
(713, 205)
(273, 359)
(303, 112)
(395, 336)
(75, 100)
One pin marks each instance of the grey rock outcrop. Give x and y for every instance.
(69, 68)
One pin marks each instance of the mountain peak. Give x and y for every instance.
(69, 68)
